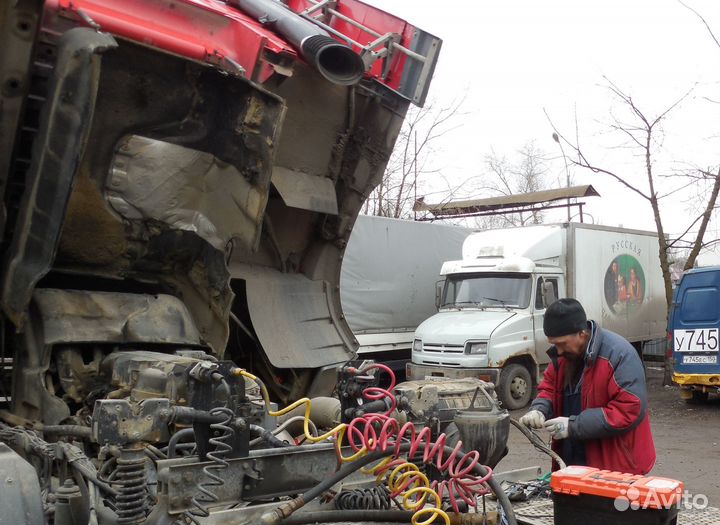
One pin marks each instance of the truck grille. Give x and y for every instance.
(438, 363)
(439, 348)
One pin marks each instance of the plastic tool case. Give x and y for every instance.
(588, 495)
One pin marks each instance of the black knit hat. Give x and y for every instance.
(564, 317)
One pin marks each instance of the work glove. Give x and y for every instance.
(533, 419)
(558, 427)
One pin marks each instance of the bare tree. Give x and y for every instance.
(678, 261)
(526, 172)
(409, 163)
(643, 134)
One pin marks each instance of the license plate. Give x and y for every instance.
(700, 360)
(699, 340)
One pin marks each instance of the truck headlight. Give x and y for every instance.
(417, 345)
(476, 348)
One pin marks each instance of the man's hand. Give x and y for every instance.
(558, 427)
(533, 419)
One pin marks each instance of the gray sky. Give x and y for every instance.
(512, 59)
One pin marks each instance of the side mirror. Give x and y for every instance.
(439, 285)
(548, 291)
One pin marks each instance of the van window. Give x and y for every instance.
(543, 283)
(699, 305)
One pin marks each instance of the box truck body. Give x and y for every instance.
(387, 283)
(490, 318)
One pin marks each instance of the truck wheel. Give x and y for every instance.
(698, 398)
(515, 388)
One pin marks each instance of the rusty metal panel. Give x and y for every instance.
(80, 316)
(185, 188)
(305, 191)
(62, 134)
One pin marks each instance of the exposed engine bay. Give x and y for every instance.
(159, 438)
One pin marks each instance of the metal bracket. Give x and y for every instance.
(265, 474)
(119, 422)
(225, 63)
(386, 45)
(325, 6)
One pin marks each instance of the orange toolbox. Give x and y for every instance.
(587, 495)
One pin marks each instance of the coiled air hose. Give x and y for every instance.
(467, 474)
(285, 510)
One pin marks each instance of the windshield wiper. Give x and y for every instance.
(502, 302)
(479, 304)
(458, 303)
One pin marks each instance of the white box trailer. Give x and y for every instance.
(490, 318)
(388, 281)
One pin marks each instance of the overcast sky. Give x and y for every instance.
(513, 59)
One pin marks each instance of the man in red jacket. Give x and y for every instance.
(593, 397)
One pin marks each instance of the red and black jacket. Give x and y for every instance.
(614, 421)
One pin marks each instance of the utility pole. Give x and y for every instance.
(567, 171)
(416, 176)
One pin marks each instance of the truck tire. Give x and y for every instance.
(698, 398)
(515, 386)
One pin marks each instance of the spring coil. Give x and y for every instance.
(222, 433)
(461, 485)
(130, 476)
(373, 498)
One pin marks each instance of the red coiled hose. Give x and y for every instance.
(381, 432)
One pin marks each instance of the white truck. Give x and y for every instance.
(387, 281)
(491, 306)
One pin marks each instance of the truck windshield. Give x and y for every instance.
(487, 290)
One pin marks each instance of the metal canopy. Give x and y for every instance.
(509, 203)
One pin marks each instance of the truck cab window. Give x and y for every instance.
(494, 290)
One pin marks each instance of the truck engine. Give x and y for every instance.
(179, 181)
(154, 437)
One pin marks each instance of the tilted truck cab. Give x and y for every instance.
(490, 318)
(184, 147)
(178, 182)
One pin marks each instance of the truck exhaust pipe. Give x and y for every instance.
(335, 61)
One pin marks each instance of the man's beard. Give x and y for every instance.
(573, 365)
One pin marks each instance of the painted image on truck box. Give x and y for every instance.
(624, 284)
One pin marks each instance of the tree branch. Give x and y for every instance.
(703, 226)
(707, 26)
